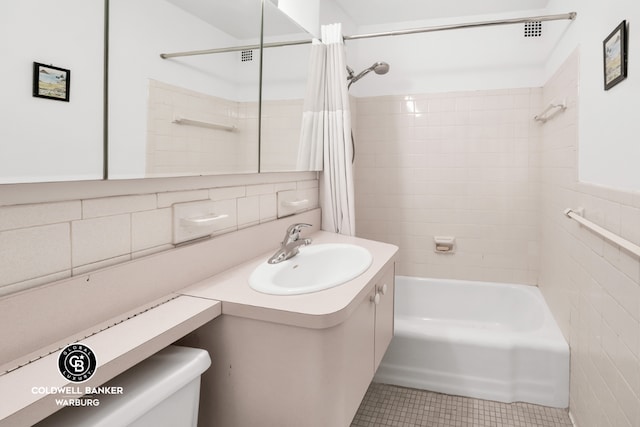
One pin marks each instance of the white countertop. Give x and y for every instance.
(320, 309)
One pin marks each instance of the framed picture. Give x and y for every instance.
(51, 82)
(615, 56)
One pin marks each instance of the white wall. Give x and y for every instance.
(42, 139)
(140, 31)
(609, 152)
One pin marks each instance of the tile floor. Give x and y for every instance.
(388, 405)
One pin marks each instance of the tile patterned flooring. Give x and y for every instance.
(388, 405)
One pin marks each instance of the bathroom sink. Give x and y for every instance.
(315, 268)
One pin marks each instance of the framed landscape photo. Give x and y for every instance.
(51, 82)
(615, 56)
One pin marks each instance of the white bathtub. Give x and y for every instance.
(484, 340)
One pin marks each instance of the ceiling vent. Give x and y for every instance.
(533, 29)
(246, 56)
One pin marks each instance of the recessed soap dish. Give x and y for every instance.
(444, 244)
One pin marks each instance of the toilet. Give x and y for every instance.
(163, 390)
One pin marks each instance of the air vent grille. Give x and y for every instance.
(533, 29)
(246, 55)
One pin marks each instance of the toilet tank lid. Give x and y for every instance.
(144, 386)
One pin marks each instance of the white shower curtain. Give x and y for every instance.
(310, 147)
(336, 181)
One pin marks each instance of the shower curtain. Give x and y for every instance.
(310, 146)
(336, 181)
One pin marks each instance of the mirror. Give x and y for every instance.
(186, 115)
(284, 78)
(51, 139)
(44, 137)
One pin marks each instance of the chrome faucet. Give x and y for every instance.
(290, 245)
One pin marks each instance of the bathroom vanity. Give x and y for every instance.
(276, 359)
(296, 359)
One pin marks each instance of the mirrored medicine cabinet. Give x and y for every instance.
(132, 114)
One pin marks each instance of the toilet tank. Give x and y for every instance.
(163, 390)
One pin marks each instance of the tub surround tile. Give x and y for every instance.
(458, 160)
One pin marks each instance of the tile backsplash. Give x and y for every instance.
(43, 242)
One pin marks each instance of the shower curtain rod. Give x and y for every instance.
(542, 18)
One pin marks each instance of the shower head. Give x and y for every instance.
(378, 68)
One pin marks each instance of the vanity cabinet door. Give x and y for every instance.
(384, 315)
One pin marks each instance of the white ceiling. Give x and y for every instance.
(241, 18)
(374, 12)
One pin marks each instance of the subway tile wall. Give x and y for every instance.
(591, 285)
(44, 242)
(461, 164)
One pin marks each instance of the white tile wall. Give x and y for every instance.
(174, 149)
(280, 134)
(42, 242)
(592, 286)
(186, 150)
(462, 164)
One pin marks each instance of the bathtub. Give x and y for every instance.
(485, 340)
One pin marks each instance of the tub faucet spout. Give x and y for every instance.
(290, 245)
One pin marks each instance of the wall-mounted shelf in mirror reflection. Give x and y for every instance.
(182, 121)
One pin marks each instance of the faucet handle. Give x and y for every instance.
(293, 232)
